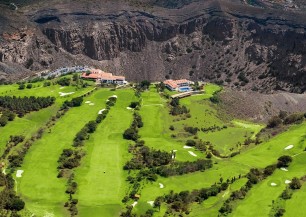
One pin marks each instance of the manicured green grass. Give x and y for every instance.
(259, 200)
(296, 205)
(101, 178)
(26, 125)
(39, 186)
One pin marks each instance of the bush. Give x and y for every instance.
(295, 183)
(284, 161)
(274, 122)
(131, 134)
(190, 143)
(21, 86)
(29, 86)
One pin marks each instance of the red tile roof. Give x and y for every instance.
(175, 83)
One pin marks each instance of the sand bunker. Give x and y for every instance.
(186, 146)
(151, 202)
(161, 185)
(129, 108)
(91, 104)
(19, 173)
(284, 169)
(193, 154)
(287, 181)
(113, 96)
(101, 111)
(174, 150)
(65, 94)
(288, 147)
(62, 87)
(134, 204)
(273, 184)
(88, 102)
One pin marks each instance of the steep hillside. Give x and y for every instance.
(245, 44)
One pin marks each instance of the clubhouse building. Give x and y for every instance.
(103, 77)
(182, 85)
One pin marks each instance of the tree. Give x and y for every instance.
(284, 161)
(130, 134)
(21, 86)
(295, 183)
(29, 86)
(145, 84)
(3, 121)
(91, 125)
(274, 122)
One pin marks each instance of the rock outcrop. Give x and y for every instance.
(228, 42)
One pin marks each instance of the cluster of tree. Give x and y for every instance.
(284, 118)
(199, 144)
(47, 84)
(70, 190)
(74, 102)
(69, 159)
(36, 79)
(180, 202)
(25, 104)
(180, 168)
(8, 198)
(148, 157)
(15, 159)
(64, 81)
(6, 115)
(143, 85)
(160, 87)
(132, 132)
(215, 98)
(213, 128)
(254, 176)
(14, 140)
(111, 101)
(284, 161)
(22, 86)
(134, 105)
(191, 130)
(83, 134)
(176, 108)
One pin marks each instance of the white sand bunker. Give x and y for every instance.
(161, 185)
(65, 94)
(273, 184)
(62, 87)
(174, 150)
(283, 169)
(101, 111)
(186, 146)
(88, 102)
(193, 154)
(129, 108)
(91, 104)
(113, 96)
(19, 173)
(151, 202)
(288, 147)
(134, 204)
(287, 181)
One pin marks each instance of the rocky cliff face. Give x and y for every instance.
(227, 42)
